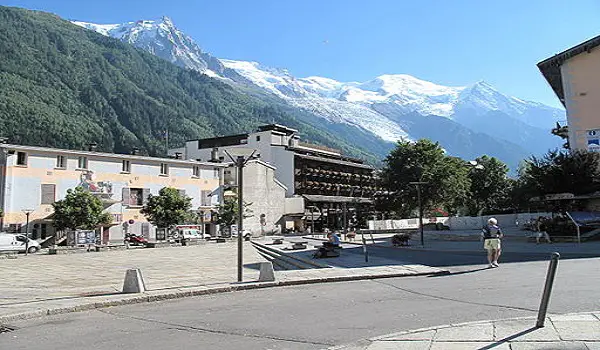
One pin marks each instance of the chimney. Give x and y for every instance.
(92, 146)
(135, 151)
(214, 155)
(177, 155)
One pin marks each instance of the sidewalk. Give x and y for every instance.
(468, 241)
(37, 285)
(573, 331)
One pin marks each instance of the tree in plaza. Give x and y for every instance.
(422, 161)
(168, 208)
(490, 186)
(576, 172)
(79, 210)
(228, 211)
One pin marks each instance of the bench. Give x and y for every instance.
(299, 245)
(400, 239)
(220, 240)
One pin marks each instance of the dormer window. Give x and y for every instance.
(22, 158)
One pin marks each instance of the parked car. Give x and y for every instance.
(16, 242)
(187, 232)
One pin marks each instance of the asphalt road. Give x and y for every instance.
(321, 315)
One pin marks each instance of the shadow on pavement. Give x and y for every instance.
(509, 338)
(353, 256)
(461, 272)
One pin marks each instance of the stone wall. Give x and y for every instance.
(458, 222)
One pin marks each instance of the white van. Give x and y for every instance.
(190, 232)
(16, 243)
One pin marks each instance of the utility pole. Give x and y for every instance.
(345, 217)
(418, 185)
(27, 213)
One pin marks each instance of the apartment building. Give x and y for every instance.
(574, 75)
(32, 178)
(334, 187)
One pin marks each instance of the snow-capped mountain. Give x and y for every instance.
(390, 107)
(164, 40)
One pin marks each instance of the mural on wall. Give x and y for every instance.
(88, 182)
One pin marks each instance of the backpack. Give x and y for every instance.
(486, 232)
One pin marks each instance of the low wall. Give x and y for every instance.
(457, 222)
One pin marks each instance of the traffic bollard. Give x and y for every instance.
(547, 290)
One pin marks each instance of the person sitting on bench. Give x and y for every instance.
(329, 246)
(334, 240)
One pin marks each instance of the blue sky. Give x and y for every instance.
(447, 42)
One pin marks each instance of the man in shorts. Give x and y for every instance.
(491, 241)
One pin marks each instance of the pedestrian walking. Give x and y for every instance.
(491, 235)
(542, 232)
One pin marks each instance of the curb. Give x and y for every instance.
(129, 299)
(369, 341)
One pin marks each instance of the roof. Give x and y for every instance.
(277, 127)
(108, 155)
(336, 199)
(550, 67)
(221, 141)
(335, 161)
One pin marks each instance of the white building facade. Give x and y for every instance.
(32, 178)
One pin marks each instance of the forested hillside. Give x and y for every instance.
(64, 86)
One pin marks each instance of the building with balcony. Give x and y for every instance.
(32, 178)
(574, 75)
(335, 188)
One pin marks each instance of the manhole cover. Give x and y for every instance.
(6, 329)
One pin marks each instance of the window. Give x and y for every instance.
(61, 162)
(22, 158)
(196, 171)
(126, 166)
(205, 199)
(82, 162)
(257, 138)
(135, 196)
(48, 193)
(164, 169)
(181, 192)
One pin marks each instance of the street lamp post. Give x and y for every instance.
(312, 219)
(27, 213)
(240, 162)
(418, 185)
(240, 166)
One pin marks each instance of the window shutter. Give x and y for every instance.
(48, 193)
(125, 195)
(204, 198)
(145, 195)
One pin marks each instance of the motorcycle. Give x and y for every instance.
(133, 239)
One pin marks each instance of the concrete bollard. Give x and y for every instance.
(134, 283)
(267, 274)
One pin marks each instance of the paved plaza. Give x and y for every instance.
(40, 284)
